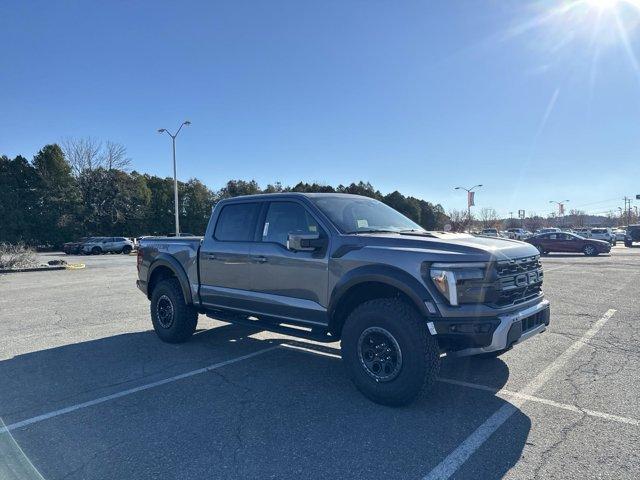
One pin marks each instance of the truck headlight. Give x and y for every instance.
(447, 277)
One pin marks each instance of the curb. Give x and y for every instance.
(35, 269)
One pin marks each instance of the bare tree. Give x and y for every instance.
(578, 217)
(488, 217)
(534, 222)
(458, 220)
(83, 154)
(114, 156)
(88, 154)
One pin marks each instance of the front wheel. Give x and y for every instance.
(541, 250)
(388, 351)
(126, 249)
(173, 320)
(96, 250)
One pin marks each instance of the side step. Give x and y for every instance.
(275, 325)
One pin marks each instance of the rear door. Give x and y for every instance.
(288, 283)
(570, 243)
(225, 279)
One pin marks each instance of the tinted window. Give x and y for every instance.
(284, 218)
(237, 223)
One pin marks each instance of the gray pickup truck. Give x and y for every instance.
(331, 267)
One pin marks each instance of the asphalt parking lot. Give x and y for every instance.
(88, 391)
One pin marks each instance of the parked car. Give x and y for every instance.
(620, 234)
(568, 243)
(605, 234)
(99, 245)
(490, 232)
(349, 268)
(518, 233)
(74, 248)
(633, 235)
(583, 232)
(548, 230)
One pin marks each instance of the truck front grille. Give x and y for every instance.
(519, 280)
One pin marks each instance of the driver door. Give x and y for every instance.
(289, 283)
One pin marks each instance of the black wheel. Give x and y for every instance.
(96, 251)
(173, 320)
(126, 249)
(388, 351)
(541, 250)
(627, 244)
(590, 251)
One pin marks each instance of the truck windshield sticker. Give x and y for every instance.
(363, 223)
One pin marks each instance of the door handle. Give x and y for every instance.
(260, 259)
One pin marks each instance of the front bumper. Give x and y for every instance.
(483, 335)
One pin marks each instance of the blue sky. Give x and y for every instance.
(538, 101)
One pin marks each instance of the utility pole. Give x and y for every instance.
(470, 201)
(627, 210)
(175, 178)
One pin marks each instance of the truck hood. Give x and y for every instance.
(451, 247)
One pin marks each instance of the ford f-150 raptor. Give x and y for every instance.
(331, 267)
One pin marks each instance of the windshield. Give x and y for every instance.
(361, 215)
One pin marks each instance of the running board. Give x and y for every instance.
(317, 335)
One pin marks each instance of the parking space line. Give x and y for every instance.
(551, 403)
(130, 391)
(545, 270)
(473, 442)
(502, 391)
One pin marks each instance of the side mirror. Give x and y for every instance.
(305, 242)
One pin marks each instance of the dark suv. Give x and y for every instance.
(331, 267)
(633, 235)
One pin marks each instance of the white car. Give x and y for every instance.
(98, 245)
(620, 234)
(518, 233)
(603, 234)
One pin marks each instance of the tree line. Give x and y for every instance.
(84, 188)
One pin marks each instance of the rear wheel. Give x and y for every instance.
(627, 243)
(126, 249)
(590, 251)
(173, 320)
(388, 351)
(542, 250)
(96, 250)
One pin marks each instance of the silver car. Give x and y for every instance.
(99, 245)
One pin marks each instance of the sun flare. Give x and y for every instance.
(602, 4)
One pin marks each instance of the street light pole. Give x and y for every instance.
(175, 176)
(468, 190)
(560, 208)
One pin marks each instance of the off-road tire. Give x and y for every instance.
(419, 351)
(184, 317)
